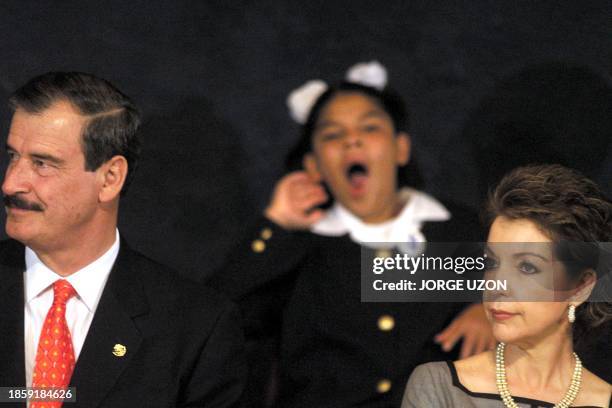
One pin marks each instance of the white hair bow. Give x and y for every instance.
(301, 100)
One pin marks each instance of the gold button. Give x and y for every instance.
(266, 233)
(258, 246)
(386, 323)
(383, 386)
(119, 350)
(383, 253)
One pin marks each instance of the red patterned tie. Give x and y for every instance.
(55, 355)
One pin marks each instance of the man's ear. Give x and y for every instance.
(404, 148)
(113, 174)
(312, 168)
(585, 287)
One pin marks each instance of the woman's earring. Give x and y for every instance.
(571, 313)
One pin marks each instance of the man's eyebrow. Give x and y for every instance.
(47, 157)
(39, 156)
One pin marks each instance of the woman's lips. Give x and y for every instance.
(501, 315)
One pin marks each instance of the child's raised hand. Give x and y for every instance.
(473, 328)
(294, 201)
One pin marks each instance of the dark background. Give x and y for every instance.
(491, 84)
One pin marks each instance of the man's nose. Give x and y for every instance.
(17, 178)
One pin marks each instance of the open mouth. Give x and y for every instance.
(357, 175)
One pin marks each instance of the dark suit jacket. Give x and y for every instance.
(184, 342)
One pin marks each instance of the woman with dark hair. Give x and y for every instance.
(297, 277)
(549, 236)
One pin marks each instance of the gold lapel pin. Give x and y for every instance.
(119, 350)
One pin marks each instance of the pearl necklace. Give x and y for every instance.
(504, 392)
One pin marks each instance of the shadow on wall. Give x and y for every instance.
(548, 113)
(187, 202)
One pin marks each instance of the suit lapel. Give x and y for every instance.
(97, 369)
(12, 352)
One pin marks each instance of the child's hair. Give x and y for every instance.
(387, 99)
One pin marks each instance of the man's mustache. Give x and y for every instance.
(14, 201)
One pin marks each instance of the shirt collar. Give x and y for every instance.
(419, 207)
(88, 282)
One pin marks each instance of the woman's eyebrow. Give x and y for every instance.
(519, 254)
(488, 249)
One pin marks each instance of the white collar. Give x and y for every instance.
(406, 227)
(88, 281)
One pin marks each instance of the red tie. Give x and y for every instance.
(55, 355)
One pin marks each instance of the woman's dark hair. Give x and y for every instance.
(574, 212)
(389, 100)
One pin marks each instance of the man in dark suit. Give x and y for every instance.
(78, 307)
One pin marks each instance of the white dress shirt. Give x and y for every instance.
(400, 231)
(88, 283)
